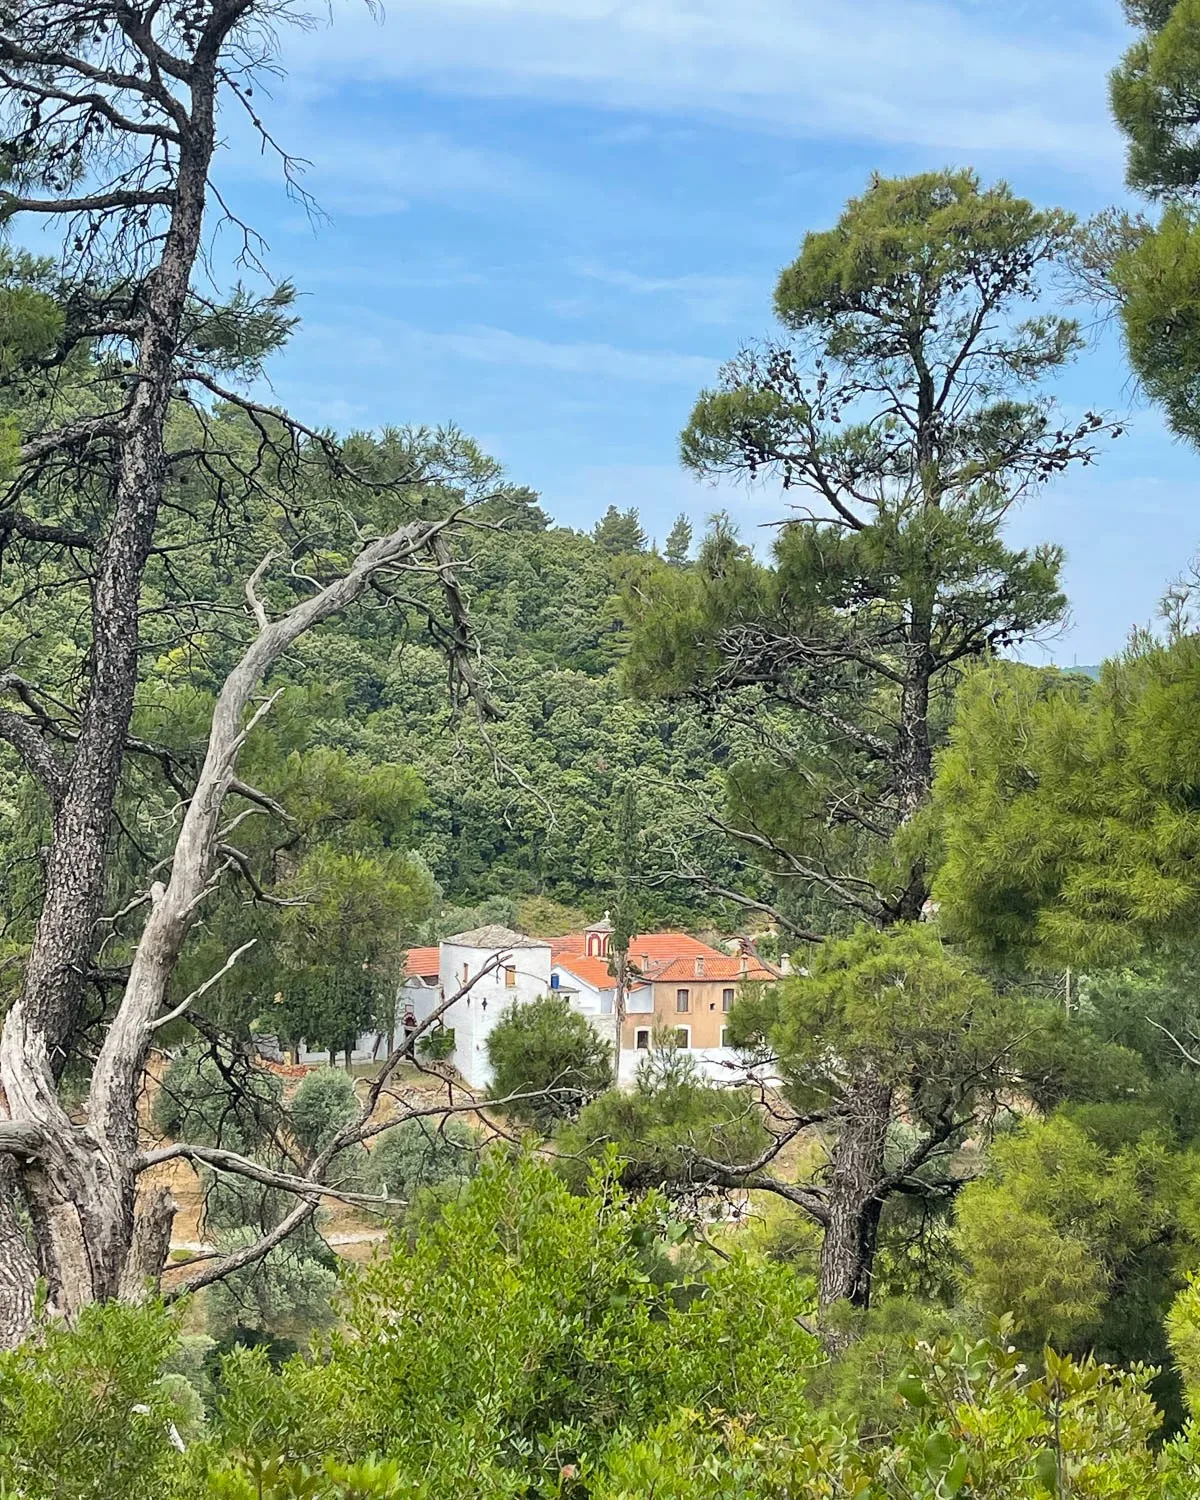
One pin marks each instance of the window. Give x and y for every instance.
(466, 973)
(682, 1000)
(642, 1040)
(726, 1000)
(683, 1037)
(725, 1036)
(510, 976)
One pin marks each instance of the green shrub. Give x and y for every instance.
(547, 1050)
(83, 1412)
(421, 1154)
(324, 1101)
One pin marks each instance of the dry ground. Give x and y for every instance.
(352, 1233)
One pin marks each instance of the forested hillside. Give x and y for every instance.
(526, 803)
(520, 802)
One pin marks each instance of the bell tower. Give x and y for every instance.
(596, 938)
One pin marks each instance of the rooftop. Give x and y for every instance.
(493, 938)
(593, 971)
(420, 963)
(660, 955)
(720, 967)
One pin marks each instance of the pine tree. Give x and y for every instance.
(679, 541)
(914, 432)
(906, 414)
(1155, 93)
(619, 532)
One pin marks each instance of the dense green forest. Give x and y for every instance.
(515, 805)
(278, 702)
(525, 805)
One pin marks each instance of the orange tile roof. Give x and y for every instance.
(657, 946)
(666, 955)
(719, 967)
(420, 963)
(593, 971)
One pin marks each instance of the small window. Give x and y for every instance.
(642, 1041)
(510, 976)
(725, 1036)
(726, 1000)
(466, 972)
(683, 1037)
(682, 1000)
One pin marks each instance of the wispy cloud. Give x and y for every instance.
(417, 275)
(365, 175)
(707, 298)
(371, 177)
(927, 73)
(497, 346)
(394, 344)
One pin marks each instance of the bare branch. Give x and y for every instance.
(1188, 1056)
(123, 1051)
(249, 1255)
(11, 203)
(257, 607)
(29, 742)
(244, 1166)
(175, 1013)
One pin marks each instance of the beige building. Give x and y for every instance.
(676, 984)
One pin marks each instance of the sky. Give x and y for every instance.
(550, 221)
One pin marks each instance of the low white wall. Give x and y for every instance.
(372, 1046)
(721, 1064)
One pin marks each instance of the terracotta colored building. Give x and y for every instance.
(676, 983)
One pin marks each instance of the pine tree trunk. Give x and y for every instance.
(80, 1186)
(847, 1258)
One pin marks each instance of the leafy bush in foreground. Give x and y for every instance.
(525, 1344)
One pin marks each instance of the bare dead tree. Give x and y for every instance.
(109, 119)
(94, 1238)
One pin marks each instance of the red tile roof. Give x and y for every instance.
(593, 971)
(421, 963)
(720, 967)
(657, 946)
(665, 955)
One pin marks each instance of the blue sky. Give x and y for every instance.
(551, 220)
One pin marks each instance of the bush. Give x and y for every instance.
(661, 1126)
(195, 1102)
(520, 1332)
(553, 1052)
(289, 1291)
(192, 1357)
(437, 1045)
(83, 1412)
(417, 1155)
(323, 1103)
(186, 1406)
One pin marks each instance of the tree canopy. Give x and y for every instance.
(902, 410)
(1065, 808)
(1154, 267)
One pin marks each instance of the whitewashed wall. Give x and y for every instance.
(721, 1064)
(474, 1017)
